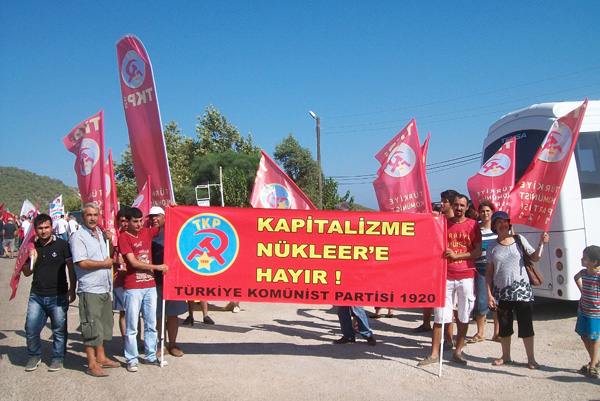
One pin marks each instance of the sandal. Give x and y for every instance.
(175, 351)
(584, 369)
(592, 372)
(475, 339)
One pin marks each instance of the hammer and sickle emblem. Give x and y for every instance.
(207, 244)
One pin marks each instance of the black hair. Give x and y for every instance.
(41, 218)
(133, 213)
(449, 194)
(593, 254)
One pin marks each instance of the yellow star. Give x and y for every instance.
(204, 261)
(282, 205)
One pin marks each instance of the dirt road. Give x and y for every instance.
(285, 351)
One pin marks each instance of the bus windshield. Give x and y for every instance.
(587, 155)
(528, 142)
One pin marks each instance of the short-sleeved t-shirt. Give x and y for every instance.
(141, 247)
(49, 271)
(9, 230)
(461, 239)
(588, 304)
(511, 282)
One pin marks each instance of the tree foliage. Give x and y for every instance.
(300, 166)
(218, 143)
(16, 185)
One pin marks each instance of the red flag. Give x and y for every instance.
(86, 142)
(533, 198)
(2, 211)
(401, 184)
(111, 201)
(26, 245)
(424, 150)
(140, 102)
(495, 178)
(273, 189)
(142, 201)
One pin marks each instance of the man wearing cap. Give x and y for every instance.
(464, 246)
(172, 308)
(8, 234)
(140, 288)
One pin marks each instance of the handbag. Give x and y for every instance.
(535, 277)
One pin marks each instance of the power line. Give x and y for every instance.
(468, 96)
(497, 111)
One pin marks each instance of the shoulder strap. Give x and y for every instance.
(526, 257)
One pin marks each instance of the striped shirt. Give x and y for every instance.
(487, 236)
(589, 304)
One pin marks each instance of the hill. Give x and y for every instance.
(16, 185)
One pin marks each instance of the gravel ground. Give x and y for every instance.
(285, 351)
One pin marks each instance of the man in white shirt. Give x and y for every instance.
(60, 227)
(73, 226)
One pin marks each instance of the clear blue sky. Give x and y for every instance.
(366, 68)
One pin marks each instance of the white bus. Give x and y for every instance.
(575, 222)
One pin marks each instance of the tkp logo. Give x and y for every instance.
(557, 143)
(133, 69)
(497, 165)
(89, 154)
(275, 196)
(207, 244)
(401, 162)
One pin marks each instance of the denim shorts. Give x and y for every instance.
(481, 304)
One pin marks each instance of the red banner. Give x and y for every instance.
(496, 178)
(424, 150)
(311, 257)
(533, 199)
(273, 189)
(142, 201)
(140, 102)
(111, 201)
(401, 184)
(26, 245)
(86, 142)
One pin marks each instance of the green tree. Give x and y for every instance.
(239, 171)
(216, 135)
(180, 151)
(125, 178)
(299, 165)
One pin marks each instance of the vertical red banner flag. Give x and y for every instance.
(140, 103)
(424, 150)
(2, 210)
(111, 202)
(273, 189)
(86, 142)
(26, 245)
(533, 198)
(401, 184)
(142, 201)
(496, 178)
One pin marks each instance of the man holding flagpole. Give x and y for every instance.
(94, 280)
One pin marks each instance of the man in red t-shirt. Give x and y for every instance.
(464, 246)
(139, 293)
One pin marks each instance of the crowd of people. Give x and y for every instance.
(485, 274)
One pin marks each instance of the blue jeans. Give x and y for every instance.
(39, 310)
(481, 304)
(345, 318)
(143, 299)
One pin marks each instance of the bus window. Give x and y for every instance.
(528, 143)
(587, 155)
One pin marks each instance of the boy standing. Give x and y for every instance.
(140, 288)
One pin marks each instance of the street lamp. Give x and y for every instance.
(313, 115)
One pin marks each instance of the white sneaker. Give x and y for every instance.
(236, 309)
(132, 367)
